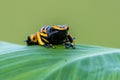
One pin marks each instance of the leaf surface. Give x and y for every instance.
(86, 62)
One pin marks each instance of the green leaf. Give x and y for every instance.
(86, 62)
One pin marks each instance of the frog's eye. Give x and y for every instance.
(67, 28)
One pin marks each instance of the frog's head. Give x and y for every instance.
(61, 27)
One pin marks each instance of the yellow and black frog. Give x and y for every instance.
(52, 35)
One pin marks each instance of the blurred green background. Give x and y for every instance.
(95, 22)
